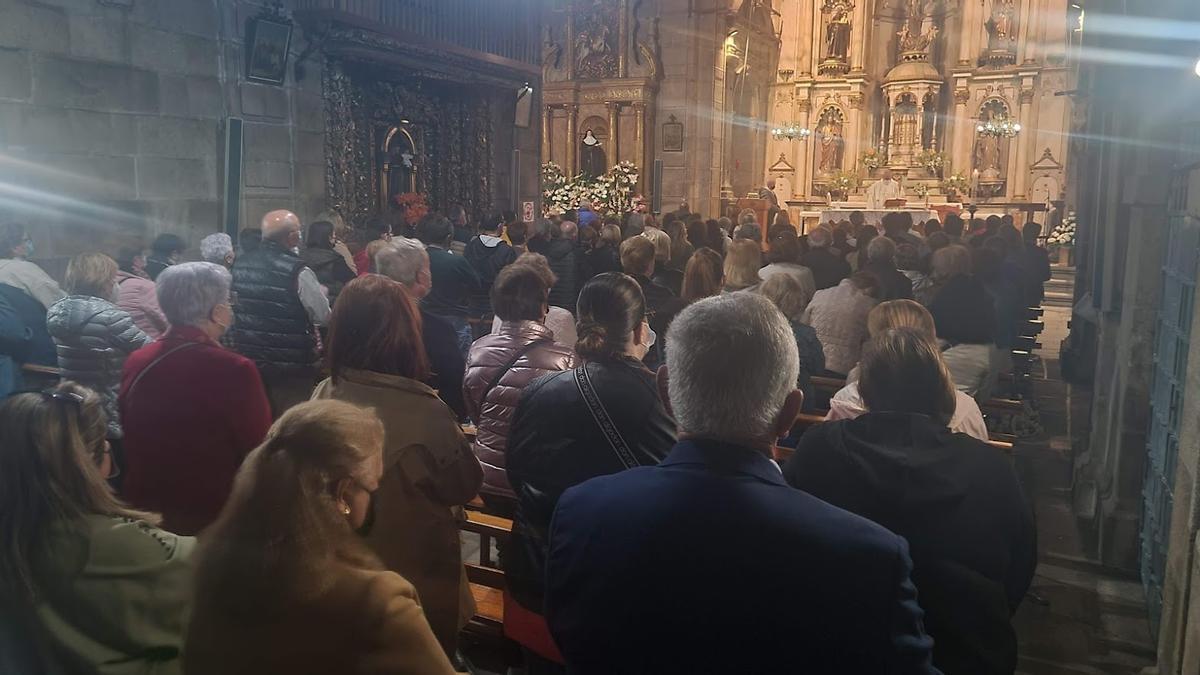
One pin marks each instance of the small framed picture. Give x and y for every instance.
(672, 135)
(267, 42)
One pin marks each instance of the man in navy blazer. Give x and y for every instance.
(710, 562)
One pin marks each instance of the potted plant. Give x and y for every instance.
(870, 159)
(954, 185)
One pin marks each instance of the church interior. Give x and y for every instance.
(1075, 123)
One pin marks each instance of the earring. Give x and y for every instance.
(345, 510)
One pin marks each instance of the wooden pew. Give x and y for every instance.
(40, 377)
(485, 577)
(804, 421)
(992, 406)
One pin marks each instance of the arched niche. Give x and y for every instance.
(593, 146)
(830, 139)
(990, 156)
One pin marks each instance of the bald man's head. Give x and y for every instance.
(281, 226)
(569, 230)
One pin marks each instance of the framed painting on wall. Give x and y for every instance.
(267, 43)
(672, 135)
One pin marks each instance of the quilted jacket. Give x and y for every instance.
(492, 417)
(93, 336)
(139, 297)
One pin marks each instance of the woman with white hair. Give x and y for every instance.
(218, 248)
(192, 409)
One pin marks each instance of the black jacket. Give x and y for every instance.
(487, 261)
(39, 347)
(895, 285)
(964, 312)
(828, 269)
(563, 258)
(445, 359)
(331, 269)
(600, 260)
(555, 444)
(271, 326)
(661, 307)
(957, 501)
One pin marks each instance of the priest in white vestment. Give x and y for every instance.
(882, 190)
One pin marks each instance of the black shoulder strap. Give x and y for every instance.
(603, 419)
(508, 366)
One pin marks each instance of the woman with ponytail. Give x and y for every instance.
(599, 418)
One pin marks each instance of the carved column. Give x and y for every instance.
(1021, 164)
(859, 26)
(1026, 50)
(614, 153)
(852, 131)
(960, 159)
(639, 143)
(547, 111)
(623, 40)
(972, 25)
(804, 165)
(572, 141)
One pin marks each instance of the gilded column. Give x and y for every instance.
(546, 113)
(572, 142)
(623, 40)
(971, 27)
(1021, 167)
(614, 144)
(852, 134)
(804, 164)
(639, 142)
(858, 36)
(960, 158)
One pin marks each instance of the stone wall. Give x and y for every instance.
(112, 119)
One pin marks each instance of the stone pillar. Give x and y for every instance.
(1026, 49)
(613, 126)
(1022, 142)
(972, 24)
(852, 131)
(859, 25)
(572, 142)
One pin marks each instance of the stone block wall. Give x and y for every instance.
(113, 116)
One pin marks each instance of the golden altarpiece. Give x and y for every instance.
(600, 74)
(906, 80)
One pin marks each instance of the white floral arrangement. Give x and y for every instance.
(610, 193)
(920, 189)
(1064, 232)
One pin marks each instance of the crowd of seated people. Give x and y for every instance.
(258, 462)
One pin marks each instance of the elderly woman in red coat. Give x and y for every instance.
(192, 409)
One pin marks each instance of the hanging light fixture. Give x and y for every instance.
(998, 128)
(790, 131)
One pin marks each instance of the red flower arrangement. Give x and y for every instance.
(414, 205)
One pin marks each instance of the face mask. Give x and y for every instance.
(369, 520)
(852, 241)
(651, 337)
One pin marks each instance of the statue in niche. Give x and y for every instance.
(837, 33)
(592, 160)
(987, 156)
(1000, 25)
(906, 122)
(829, 132)
(918, 31)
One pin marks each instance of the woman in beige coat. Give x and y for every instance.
(284, 582)
(377, 360)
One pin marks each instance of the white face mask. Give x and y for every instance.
(851, 241)
(651, 337)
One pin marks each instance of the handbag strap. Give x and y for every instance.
(603, 420)
(155, 362)
(507, 367)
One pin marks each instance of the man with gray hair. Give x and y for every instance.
(405, 260)
(827, 267)
(708, 562)
(217, 248)
(881, 261)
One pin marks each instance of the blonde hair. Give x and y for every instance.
(901, 314)
(903, 371)
(51, 446)
(742, 262)
(786, 292)
(281, 527)
(90, 274)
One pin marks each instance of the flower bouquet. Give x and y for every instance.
(414, 205)
(956, 184)
(871, 159)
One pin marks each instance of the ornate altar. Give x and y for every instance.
(600, 71)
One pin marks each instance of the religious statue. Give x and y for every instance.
(837, 33)
(987, 156)
(594, 53)
(830, 134)
(1002, 33)
(918, 31)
